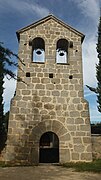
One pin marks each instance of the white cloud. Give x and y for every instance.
(24, 7)
(88, 94)
(9, 91)
(40, 11)
(89, 8)
(89, 61)
(95, 115)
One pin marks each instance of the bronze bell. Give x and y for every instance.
(38, 52)
(61, 53)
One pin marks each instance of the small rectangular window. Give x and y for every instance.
(27, 74)
(51, 75)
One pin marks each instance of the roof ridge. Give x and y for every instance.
(47, 18)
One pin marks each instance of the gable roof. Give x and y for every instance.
(50, 16)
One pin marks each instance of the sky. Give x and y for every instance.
(82, 15)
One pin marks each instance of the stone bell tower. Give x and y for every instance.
(49, 117)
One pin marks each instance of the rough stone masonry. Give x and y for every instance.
(51, 99)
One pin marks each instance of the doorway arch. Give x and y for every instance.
(49, 148)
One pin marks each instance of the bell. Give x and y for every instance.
(38, 52)
(61, 53)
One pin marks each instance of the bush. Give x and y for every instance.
(96, 128)
(94, 166)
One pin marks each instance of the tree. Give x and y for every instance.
(1, 101)
(98, 69)
(96, 128)
(6, 120)
(6, 66)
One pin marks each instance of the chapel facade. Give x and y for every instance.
(49, 117)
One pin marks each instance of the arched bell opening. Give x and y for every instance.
(49, 148)
(38, 50)
(62, 51)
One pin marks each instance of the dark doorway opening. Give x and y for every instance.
(49, 148)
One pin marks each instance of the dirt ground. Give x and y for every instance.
(45, 172)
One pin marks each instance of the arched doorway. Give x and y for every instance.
(49, 148)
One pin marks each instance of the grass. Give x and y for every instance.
(2, 164)
(94, 166)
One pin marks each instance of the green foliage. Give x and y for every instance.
(6, 66)
(2, 130)
(94, 166)
(8, 61)
(6, 119)
(98, 69)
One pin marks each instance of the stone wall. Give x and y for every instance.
(96, 146)
(49, 104)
